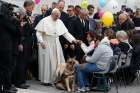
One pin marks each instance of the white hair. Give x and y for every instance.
(56, 10)
(121, 33)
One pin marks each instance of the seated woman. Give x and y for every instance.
(97, 62)
(89, 45)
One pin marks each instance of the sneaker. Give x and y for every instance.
(87, 89)
(81, 90)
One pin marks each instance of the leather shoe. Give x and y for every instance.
(23, 86)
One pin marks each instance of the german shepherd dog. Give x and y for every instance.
(67, 81)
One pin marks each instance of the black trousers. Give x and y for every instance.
(23, 62)
(6, 68)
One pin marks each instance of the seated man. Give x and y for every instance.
(123, 41)
(127, 73)
(95, 63)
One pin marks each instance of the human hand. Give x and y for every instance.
(84, 58)
(79, 42)
(66, 46)
(72, 46)
(43, 45)
(20, 48)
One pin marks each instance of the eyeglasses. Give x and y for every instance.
(69, 10)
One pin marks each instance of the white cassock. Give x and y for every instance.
(51, 59)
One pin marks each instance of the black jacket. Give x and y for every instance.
(136, 21)
(136, 51)
(37, 19)
(49, 12)
(9, 33)
(79, 30)
(64, 17)
(127, 25)
(70, 24)
(124, 47)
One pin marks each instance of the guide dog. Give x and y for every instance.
(67, 81)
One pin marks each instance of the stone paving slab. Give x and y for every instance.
(36, 87)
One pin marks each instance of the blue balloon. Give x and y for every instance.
(102, 3)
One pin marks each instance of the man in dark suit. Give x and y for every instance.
(80, 27)
(92, 22)
(77, 10)
(44, 9)
(54, 5)
(71, 18)
(64, 16)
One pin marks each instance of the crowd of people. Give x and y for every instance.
(40, 47)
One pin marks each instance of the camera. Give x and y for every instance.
(7, 9)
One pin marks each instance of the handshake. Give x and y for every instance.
(79, 42)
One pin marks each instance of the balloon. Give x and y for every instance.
(37, 1)
(107, 19)
(113, 6)
(84, 4)
(101, 13)
(102, 3)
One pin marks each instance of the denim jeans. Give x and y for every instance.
(82, 74)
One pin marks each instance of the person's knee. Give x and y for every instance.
(77, 66)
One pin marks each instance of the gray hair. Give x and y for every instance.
(121, 33)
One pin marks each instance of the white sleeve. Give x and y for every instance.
(69, 37)
(39, 36)
(84, 48)
(87, 49)
(40, 26)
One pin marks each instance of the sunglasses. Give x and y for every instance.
(69, 10)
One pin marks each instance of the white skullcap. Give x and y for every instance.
(55, 10)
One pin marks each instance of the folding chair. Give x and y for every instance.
(124, 62)
(114, 67)
(102, 78)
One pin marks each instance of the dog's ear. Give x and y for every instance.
(76, 62)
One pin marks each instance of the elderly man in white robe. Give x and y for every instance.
(51, 59)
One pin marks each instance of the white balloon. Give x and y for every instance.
(113, 6)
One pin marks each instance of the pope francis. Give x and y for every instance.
(51, 59)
